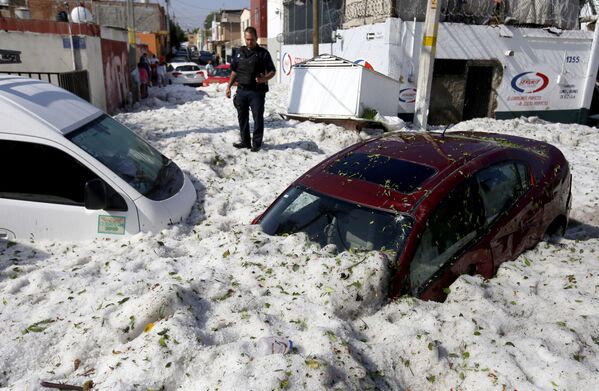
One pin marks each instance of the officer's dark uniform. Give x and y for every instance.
(249, 64)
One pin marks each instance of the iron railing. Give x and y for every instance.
(76, 82)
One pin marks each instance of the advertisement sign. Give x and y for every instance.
(364, 63)
(530, 82)
(529, 91)
(407, 95)
(286, 63)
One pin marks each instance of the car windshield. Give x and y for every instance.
(130, 157)
(326, 220)
(222, 72)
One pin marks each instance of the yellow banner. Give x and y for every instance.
(131, 35)
(429, 40)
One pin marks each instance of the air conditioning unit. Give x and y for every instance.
(4, 3)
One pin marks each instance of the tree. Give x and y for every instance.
(208, 21)
(177, 35)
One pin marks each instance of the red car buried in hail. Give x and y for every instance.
(221, 74)
(437, 205)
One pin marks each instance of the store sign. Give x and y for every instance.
(10, 57)
(530, 82)
(407, 95)
(286, 63)
(364, 63)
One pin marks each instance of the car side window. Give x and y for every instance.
(456, 221)
(500, 186)
(40, 173)
(169, 68)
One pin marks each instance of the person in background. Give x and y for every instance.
(143, 80)
(209, 68)
(251, 67)
(145, 62)
(161, 72)
(154, 69)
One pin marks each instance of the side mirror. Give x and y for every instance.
(95, 194)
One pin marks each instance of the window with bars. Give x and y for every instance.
(298, 20)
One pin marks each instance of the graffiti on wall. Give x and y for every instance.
(116, 74)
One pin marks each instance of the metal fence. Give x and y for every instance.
(337, 14)
(76, 82)
(298, 20)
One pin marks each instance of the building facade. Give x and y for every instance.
(259, 19)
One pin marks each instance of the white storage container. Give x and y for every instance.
(332, 87)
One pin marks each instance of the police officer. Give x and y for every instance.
(251, 68)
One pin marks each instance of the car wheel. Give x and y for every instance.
(556, 230)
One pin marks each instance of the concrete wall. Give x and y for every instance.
(360, 12)
(259, 17)
(369, 45)
(9, 11)
(525, 58)
(115, 66)
(43, 52)
(148, 17)
(447, 99)
(156, 43)
(47, 9)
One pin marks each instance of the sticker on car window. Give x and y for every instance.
(111, 225)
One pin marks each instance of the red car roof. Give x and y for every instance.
(435, 157)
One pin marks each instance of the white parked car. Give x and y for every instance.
(72, 172)
(187, 73)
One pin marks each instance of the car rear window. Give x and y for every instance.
(222, 72)
(396, 174)
(188, 68)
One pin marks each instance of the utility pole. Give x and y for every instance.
(132, 46)
(66, 4)
(315, 28)
(427, 63)
(168, 29)
(591, 73)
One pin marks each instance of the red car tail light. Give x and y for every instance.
(177, 74)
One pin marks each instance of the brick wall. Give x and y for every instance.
(149, 17)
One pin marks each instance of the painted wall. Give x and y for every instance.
(543, 73)
(91, 60)
(156, 43)
(116, 75)
(35, 56)
(274, 12)
(369, 45)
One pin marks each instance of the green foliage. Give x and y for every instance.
(369, 113)
(208, 21)
(37, 327)
(177, 35)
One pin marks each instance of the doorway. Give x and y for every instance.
(463, 90)
(477, 97)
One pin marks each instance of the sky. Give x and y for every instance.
(191, 13)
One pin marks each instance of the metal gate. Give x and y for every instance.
(76, 82)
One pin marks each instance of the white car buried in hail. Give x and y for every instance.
(72, 172)
(187, 73)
